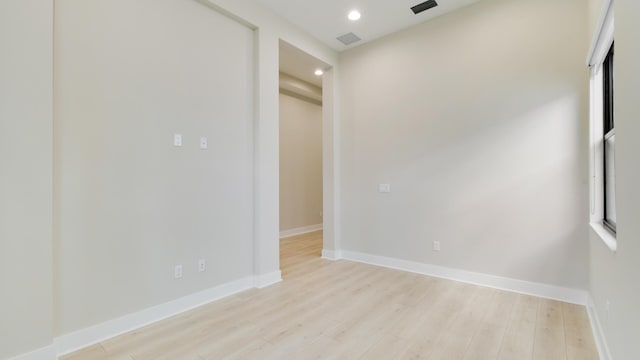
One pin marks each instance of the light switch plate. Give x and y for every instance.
(384, 188)
(204, 143)
(177, 139)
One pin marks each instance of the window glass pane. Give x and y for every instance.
(610, 178)
(608, 91)
(609, 141)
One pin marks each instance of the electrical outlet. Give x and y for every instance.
(204, 143)
(202, 265)
(436, 246)
(177, 272)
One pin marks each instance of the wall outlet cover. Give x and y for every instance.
(436, 246)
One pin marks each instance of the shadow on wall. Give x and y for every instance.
(478, 120)
(509, 189)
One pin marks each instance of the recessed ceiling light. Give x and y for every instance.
(319, 72)
(354, 15)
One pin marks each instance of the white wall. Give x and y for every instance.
(27, 126)
(25, 175)
(300, 163)
(129, 205)
(478, 121)
(614, 276)
(270, 29)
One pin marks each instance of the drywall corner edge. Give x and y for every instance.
(598, 332)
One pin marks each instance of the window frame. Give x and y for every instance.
(608, 130)
(601, 43)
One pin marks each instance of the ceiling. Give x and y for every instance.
(327, 19)
(299, 64)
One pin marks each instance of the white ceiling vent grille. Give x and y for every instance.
(349, 38)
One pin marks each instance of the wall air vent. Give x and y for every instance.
(424, 6)
(349, 38)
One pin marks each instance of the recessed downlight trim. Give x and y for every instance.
(354, 15)
(319, 72)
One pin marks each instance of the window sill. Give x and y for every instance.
(607, 237)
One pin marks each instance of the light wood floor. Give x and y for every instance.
(347, 310)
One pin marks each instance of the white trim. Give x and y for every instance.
(68, 343)
(300, 231)
(573, 296)
(598, 332)
(45, 353)
(332, 255)
(264, 280)
(607, 237)
(602, 40)
(596, 164)
(603, 36)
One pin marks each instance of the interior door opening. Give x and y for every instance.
(301, 162)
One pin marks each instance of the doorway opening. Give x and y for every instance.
(301, 159)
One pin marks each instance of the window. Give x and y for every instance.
(602, 139)
(609, 143)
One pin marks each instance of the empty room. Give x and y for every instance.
(271, 179)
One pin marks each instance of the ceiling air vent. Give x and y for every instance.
(349, 38)
(424, 6)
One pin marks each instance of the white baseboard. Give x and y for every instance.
(331, 254)
(264, 280)
(45, 353)
(598, 332)
(300, 231)
(80, 339)
(574, 296)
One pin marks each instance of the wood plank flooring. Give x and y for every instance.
(347, 310)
